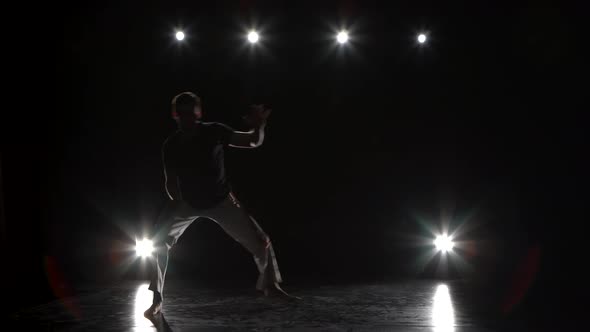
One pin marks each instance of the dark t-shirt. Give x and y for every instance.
(196, 157)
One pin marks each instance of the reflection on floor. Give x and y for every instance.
(405, 306)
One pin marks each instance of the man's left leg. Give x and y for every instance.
(234, 220)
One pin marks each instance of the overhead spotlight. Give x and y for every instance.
(180, 36)
(342, 37)
(421, 38)
(253, 37)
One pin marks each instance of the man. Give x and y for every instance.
(197, 186)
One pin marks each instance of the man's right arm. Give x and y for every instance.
(170, 178)
(172, 187)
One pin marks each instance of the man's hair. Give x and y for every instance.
(186, 102)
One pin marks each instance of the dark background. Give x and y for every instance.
(370, 146)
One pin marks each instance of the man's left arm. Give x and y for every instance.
(255, 137)
(247, 139)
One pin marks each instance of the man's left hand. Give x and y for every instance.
(257, 116)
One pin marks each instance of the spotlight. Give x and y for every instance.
(180, 36)
(421, 38)
(342, 37)
(253, 37)
(144, 248)
(443, 243)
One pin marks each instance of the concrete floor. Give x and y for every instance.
(396, 306)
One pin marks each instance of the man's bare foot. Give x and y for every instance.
(153, 311)
(276, 291)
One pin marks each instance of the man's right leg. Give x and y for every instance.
(176, 217)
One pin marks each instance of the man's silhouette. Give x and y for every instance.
(197, 186)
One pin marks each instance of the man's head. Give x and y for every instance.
(186, 108)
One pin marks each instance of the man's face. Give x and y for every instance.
(191, 117)
(198, 112)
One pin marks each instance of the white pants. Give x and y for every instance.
(178, 216)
